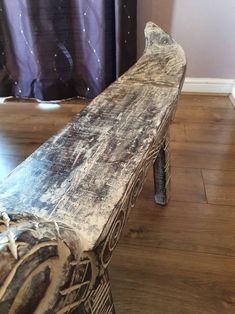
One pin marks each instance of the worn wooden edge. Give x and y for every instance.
(66, 261)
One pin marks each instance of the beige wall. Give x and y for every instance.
(205, 28)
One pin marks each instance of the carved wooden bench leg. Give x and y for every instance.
(162, 173)
(100, 299)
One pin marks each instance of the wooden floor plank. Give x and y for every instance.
(186, 185)
(182, 209)
(177, 259)
(8, 163)
(225, 116)
(220, 186)
(203, 155)
(168, 281)
(205, 101)
(177, 132)
(212, 133)
(198, 229)
(24, 126)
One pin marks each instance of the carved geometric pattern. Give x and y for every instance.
(100, 300)
(36, 258)
(106, 247)
(47, 237)
(162, 175)
(44, 268)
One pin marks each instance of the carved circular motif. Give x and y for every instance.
(44, 270)
(112, 238)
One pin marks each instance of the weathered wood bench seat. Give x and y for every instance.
(63, 209)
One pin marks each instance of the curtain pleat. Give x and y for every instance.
(64, 48)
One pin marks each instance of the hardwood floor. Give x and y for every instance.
(24, 126)
(178, 259)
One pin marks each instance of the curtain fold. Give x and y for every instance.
(55, 49)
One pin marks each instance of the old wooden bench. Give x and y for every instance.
(63, 209)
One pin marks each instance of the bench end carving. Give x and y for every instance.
(42, 264)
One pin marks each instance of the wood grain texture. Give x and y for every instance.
(172, 281)
(220, 186)
(193, 269)
(198, 232)
(194, 227)
(202, 155)
(19, 137)
(213, 133)
(205, 102)
(81, 174)
(221, 117)
(80, 185)
(187, 185)
(177, 132)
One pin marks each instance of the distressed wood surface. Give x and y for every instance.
(79, 186)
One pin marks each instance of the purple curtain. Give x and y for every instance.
(55, 49)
